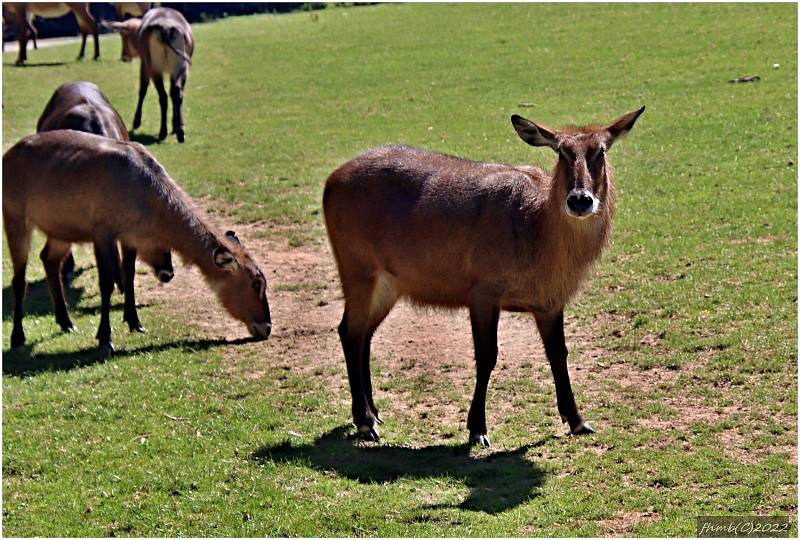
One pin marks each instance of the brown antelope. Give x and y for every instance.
(124, 10)
(10, 15)
(24, 12)
(79, 187)
(82, 106)
(165, 43)
(443, 231)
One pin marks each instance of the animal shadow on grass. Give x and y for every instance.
(38, 302)
(38, 64)
(143, 138)
(37, 298)
(24, 363)
(499, 481)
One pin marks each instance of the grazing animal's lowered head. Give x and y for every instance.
(129, 31)
(160, 260)
(242, 287)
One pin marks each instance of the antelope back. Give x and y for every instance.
(166, 42)
(82, 106)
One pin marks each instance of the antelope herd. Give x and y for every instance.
(403, 223)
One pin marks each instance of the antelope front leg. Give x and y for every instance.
(484, 319)
(367, 379)
(130, 315)
(551, 328)
(104, 252)
(352, 337)
(83, 45)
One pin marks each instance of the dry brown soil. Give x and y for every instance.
(416, 344)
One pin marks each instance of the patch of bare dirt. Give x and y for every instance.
(413, 343)
(625, 521)
(419, 356)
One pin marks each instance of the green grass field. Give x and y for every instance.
(687, 332)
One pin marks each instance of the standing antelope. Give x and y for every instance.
(82, 106)
(165, 43)
(24, 12)
(79, 187)
(444, 231)
(9, 15)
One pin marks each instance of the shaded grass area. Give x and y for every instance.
(693, 311)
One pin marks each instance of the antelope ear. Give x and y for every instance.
(225, 259)
(622, 126)
(116, 26)
(534, 134)
(232, 236)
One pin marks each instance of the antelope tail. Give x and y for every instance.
(166, 37)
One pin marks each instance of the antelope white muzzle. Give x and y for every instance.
(581, 203)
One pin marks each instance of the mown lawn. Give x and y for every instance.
(689, 325)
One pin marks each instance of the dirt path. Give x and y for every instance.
(306, 306)
(423, 365)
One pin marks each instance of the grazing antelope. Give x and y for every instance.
(79, 187)
(124, 10)
(448, 232)
(25, 11)
(82, 106)
(165, 43)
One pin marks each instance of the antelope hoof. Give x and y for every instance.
(479, 439)
(181, 136)
(369, 433)
(137, 327)
(162, 134)
(137, 122)
(106, 349)
(68, 327)
(582, 429)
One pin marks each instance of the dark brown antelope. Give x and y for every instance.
(25, 11)
(443, 231)
(165, 43)
(79, 187)
(82, 106)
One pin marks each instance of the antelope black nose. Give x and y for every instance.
(580, 202)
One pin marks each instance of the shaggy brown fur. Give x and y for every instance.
(444, 231)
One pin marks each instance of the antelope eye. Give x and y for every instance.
(565, 153)
(601, 154)
(258, 284)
